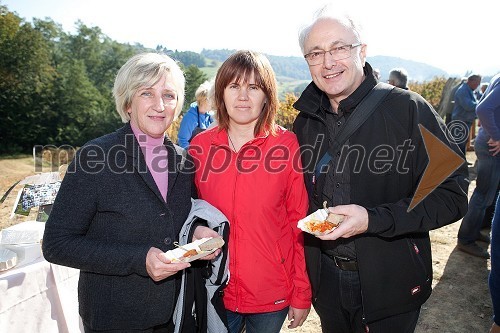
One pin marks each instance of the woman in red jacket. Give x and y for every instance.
(249, 168)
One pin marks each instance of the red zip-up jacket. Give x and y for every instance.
(261, 191)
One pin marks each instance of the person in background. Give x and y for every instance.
(198, 117)
(398, 77)
(488, 215)
(480, 92)
(494, 277)
(487, 148)
(451, 102)
(245, 167)
(211, 98)
(122, 203)
(374, 271)
(465, 108)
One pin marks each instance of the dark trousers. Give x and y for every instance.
(462, 137)
(487, 182)
(265, 322)
(494, 277)
(165, 328)
(339, 305)
(490, 211)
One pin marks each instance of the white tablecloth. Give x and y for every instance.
(39, 297)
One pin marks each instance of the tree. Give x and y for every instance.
(56, 88)
(430, 90)
(188, 58)
(286, 112)
(26, 86)
(79, 106)
(194, 77)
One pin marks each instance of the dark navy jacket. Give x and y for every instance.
(107, 215)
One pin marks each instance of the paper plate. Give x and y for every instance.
(195, 250)
(319, 217)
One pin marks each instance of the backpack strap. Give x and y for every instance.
(360, 114)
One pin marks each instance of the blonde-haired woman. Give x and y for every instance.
(198, 117)
(122, 204)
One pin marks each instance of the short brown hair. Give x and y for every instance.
(239, 67)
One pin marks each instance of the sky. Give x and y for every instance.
(456, 38)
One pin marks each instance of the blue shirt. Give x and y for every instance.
(488, 112)
(465, 104)
(192, 119)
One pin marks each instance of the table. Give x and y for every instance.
(39, 297)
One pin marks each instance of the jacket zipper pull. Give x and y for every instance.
(314, 179)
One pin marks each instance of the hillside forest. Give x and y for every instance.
(55, 87)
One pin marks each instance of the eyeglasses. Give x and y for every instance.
(338, 53)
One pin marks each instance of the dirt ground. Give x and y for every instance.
(460, 302)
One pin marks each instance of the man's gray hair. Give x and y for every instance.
(474, 77)
(400, 77)
(330, 13)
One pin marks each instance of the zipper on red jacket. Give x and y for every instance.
(236, 288)
(238, 168)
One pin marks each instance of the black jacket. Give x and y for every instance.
(200, 307)
(394, 255)
(108, 213)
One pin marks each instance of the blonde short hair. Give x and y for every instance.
(145, 69)
(202, 94)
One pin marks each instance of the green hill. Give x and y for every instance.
(293, 74)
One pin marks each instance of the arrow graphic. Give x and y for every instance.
(443, 161)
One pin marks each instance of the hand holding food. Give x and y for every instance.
(160, 267)
(195, 250)
(321, 222)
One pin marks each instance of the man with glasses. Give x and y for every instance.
(374, 271)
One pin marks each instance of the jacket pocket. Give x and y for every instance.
(285, 258)
(418, 261)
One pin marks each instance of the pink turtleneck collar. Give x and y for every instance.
(155, 154)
